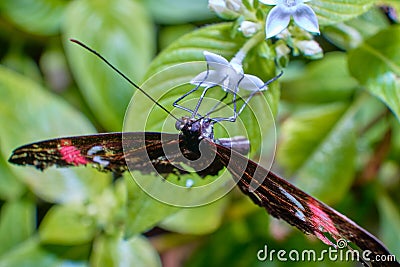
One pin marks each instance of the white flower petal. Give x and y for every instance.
(234, 5)
(251, 83)
(249, 28)
(236, 68)
(305, 17)
(309, 48)
(209, 78)
(269, 2)
(232, 84)
(199, 78)
(215, 61)
(282, 50)
(228, 75)
(218, 6)
(278, 19)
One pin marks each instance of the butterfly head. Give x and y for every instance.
(196, 128)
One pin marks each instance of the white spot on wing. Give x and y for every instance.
(93, 150)
(300, 215)
(99, 160)
(292, 198)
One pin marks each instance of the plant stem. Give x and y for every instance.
(252, 42)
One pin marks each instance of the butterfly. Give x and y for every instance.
(196, 146)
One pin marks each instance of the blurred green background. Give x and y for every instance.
(338, 126)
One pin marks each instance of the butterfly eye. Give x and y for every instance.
(195, 127)
(179, 125)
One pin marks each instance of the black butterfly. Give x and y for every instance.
(164, 153)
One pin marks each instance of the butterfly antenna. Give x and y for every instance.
(123, 75)
(273, 79)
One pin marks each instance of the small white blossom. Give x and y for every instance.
(282, 50)
(309, 48)
(234, 5)
(228, 75)
(226, 8)
(285, 34)
(279, 16)
(249, 28)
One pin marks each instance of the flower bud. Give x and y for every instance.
(234, 5)
(282, 50)
(282, 54)
(309, 48)
(227, 9)
(249, 28)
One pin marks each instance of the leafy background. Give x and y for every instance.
(337, 118)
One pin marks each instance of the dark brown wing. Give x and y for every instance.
(104, 151)
(114, 152)
(285, 201)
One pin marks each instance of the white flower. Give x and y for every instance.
(226, 8)
(309, 48)
(249, 28)
(279, 16)
(228, 75)
(234, 5)
(282, 50)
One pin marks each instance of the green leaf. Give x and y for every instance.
(350, 34)
(30, 253)
(10, 186)
(387, 88)
(395, 150)
(18, 61)
(261, 62)
(302, 132)
(169, 34)
(122, 32)
(334, 11)
(159, 197)
(390, 224)
(108, 208)
(376, 64)
(213, 38)
(42, 17)
(18, 222)
(198, 220)
(166, 74)
(376, 56)
(322, 81)
(178, 11)
(66, 225)
(116, 251)
(27, 119)
(144, 212)
(319, 146)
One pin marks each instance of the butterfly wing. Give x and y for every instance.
(285, 201)
(114, 152)
(104, 151)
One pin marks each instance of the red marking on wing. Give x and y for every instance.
(65, 142)
(71, 154)
(322, 223)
